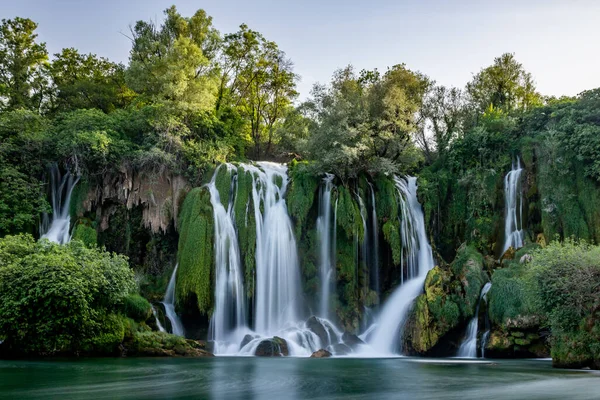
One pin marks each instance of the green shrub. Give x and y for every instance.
(137, 308)
(53, 298)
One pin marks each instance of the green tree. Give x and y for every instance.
(441, 117)
(258, 80)
(366, 122)
(176, 61)
(504, 85)
(23, 65)
(88, 81)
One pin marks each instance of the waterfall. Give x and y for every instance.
(513, 201)
(230, 308)
(169, 303)
(468, 348)
(277, 271)
(386, 336)
(158, 324)
(327, 246)
(61, 186)
(363, 260)
(374, 273)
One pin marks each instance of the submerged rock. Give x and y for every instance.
(274, 347)
(341, 349)
(322, 353)
(315, 325)
(247, 339)
(351, 340)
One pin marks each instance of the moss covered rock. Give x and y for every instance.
(450, 297)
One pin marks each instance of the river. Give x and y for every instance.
(293, 378)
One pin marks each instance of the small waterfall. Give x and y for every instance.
(230, 308)
(158, 324)
(327, 246)
(277, 271)
(169, 303)
(374, 272)
(363, 259)
(386, 337)
(61, 186)
(513, 200)
(468, 348)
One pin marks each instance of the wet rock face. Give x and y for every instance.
(318, 329)
(352, 340)
(517, 342)
(322, 353)
(274, 347)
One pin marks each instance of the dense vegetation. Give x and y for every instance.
(191, 97)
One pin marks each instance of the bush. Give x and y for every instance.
(55, 299)
(137, 308)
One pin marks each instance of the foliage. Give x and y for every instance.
(365, 122)
(53, 299)
(85, 233)
(504, 85)
(23, 64)
(195, 254)
(137, 308)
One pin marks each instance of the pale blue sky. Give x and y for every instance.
(558, 41)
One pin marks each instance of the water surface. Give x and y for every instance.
(293, 378)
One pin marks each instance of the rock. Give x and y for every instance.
(322, 353)
(318, 329)
(541, 240)
(525, 259)
(274, 347)
(341, 349)
(509, 254)
(247, 339)
(352, 340)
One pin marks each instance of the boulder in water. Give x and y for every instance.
(274, 347)
(351, 340)
(315, 325)
(247, 339)
(322, 353)
(341, 349)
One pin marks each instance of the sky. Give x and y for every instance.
(558, 41)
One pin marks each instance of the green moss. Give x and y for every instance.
(137, 308)
(348, 214)
(79, 194)
(223, 183)
(246, 226)
(86, 234)
(300, 196)
(196, 236)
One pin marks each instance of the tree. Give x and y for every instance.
(259, 81)
(365, 122)
(441, 118)
(504, 85)
(175, 62)
(88, 81)
(23, 64)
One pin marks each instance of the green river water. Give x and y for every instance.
(293, 378)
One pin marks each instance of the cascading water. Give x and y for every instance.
(386, 335)
(158, 324)
(513, 200)
(363, 262)
(229, 316)
(327, 246)
(61, 186)
(468, 348)
(169, 303)
(374, 274)
(277, 271)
